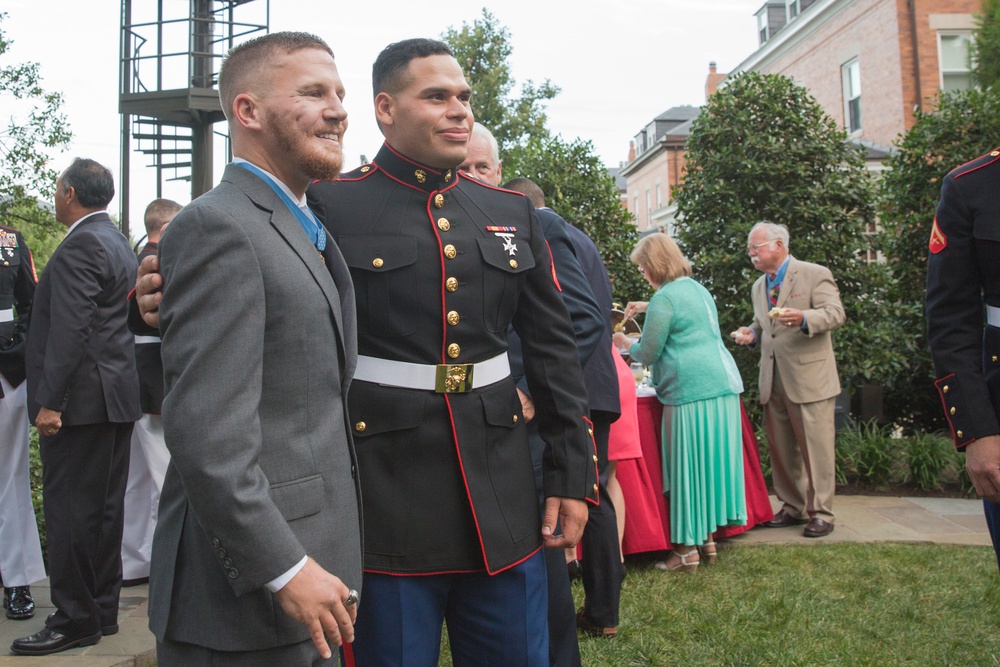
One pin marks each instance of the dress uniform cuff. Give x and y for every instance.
(967, 407)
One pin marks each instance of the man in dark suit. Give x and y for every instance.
(83, 395)
(149, 456)
(963, 277)
(257, 547)
(442, 265)
(602, 564)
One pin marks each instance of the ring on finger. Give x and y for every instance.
(352, 598)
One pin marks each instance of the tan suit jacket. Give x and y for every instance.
(803, 358)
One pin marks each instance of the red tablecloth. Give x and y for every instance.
(647, 514)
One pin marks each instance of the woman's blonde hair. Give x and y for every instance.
(661, 258)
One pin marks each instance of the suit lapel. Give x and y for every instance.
(288, 227)
(788, 284)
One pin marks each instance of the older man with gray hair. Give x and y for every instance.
(796, 306)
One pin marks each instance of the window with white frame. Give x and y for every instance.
(649, 209)
(954, 62)
(851, 75)
(793, 9)
(659, 197)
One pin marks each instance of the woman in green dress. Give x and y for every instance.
(699, 385)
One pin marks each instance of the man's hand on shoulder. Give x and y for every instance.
(982, 460)
(573, 514)
(315, 598)
(148, 284)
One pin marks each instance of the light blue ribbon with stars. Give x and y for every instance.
(310, 225)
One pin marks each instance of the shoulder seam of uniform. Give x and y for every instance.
(349, 176)
(476, 181)
(995, 154)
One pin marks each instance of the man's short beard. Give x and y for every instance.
(317, 168)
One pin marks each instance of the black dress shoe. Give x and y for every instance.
(782, 520)
(49, 641)
(818, 528)
(18, 603)
(109, 629)
(129, 583)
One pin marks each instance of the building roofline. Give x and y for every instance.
(794, 32)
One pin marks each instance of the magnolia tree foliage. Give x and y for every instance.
(35, 126)
(962, 126)
(763, 149)
(576, 184)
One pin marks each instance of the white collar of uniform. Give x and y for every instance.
(299, 201)
(76, 224)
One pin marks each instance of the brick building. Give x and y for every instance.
(869, 63)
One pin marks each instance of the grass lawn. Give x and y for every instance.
(835, 604)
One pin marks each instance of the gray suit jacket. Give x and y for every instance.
(259, 345)
(803, 358)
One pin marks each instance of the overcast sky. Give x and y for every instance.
(619, 64)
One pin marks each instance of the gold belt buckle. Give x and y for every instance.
(453, 378)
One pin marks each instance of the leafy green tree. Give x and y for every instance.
(575, 182)
(483, 49)
(34, 128)
(579, 188)
(962, 126)
(763, 149)
(986, 45)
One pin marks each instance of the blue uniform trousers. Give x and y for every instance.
(495, 620)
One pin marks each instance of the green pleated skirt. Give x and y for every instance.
(703, 467)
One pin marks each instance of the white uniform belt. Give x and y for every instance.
(139, 340)
(442, 378)
(993, 316)
(7, 315)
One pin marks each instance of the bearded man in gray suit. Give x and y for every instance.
(257, 549)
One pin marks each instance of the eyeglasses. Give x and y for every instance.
(754, 247)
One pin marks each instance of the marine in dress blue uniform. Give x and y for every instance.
(20, 551)
(442, 264)
(963, 320)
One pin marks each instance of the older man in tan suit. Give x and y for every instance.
(796, 305)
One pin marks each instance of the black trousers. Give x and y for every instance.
(84, 473)
(564, 646)
(602, 561)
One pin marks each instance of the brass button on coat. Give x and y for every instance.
(453, 317)
(439, 201)
(450, 252)
(513, 263)
(451, 284)
(443, 224)
(959, 434)
(595, 458)
(454, 350)
(515, 419)
(377, 262)
(360, 427)
(595, 488)
(945, 389)
(952, 411)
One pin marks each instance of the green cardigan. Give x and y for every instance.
(682, 346)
